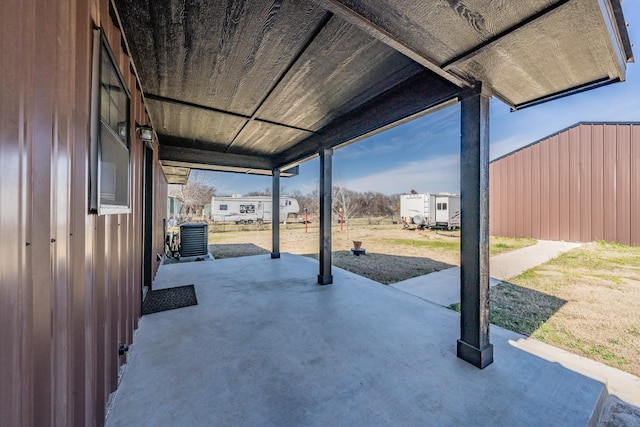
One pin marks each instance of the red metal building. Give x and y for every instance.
(580, 184)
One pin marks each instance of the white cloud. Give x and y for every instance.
(507, 145)
(434, 174)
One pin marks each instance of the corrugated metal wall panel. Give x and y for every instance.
(70, 282)
(635, 185)
(40, 209)
(544, 190)
(16, 111)
(554, 193)
(519, 199)
(583, 186)
(511, 201)
(502, 203)
(100, 301)
(623, 184)
(609, 183)
(526, 192)
(574, 211)
(492, 202)
(563, 186)
(535, 191)
(597, 182)
(584, 142)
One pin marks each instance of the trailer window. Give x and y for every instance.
(441, 206)
(223, 207)
(248, 209)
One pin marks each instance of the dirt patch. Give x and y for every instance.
(234, 250)
(393, 253)
(396, 267)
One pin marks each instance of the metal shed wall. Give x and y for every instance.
(70, 281)
(581, 184)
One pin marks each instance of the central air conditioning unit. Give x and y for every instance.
(194, 240)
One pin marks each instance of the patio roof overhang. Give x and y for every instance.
(253, 86)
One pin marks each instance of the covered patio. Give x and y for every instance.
(260, 87)
(266, 346)
(105, 102)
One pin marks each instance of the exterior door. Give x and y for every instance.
(442, 209)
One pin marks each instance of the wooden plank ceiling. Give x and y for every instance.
(248, 86)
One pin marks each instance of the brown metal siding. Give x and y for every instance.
(573, 214)
(519, 199)
(583, 186)
(70, 282)
(635, 186)
(586, 190)
(511, 202)
(534, 154)
(526, 192)
(609, 183)
(554, 193)
(492, 201)
(563, 186)
(544, 190)
(499, 201)
(623, 185)
(597, 183)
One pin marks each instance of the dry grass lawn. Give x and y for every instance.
(586, 301)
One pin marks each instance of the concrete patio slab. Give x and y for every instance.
(440, 287)
(266, 345)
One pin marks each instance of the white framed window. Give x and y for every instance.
(110, 133)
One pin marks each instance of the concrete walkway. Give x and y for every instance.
(268, 346)
(443, 287)
(511, 264)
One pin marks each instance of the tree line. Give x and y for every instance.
(351, 204)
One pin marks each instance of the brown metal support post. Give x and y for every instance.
(473, 345)
(325, 277)
(275, 214)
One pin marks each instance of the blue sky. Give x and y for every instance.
(424, 154)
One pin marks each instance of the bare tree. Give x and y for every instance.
(375, 204)
(310, 201)
(344, 201)
(196, 193)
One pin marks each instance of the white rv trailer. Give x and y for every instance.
(249, 209)
(431, 210)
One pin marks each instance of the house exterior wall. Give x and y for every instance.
(581, 184)
(70, 281)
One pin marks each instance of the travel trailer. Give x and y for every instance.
(431, 210)
(249, 209)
